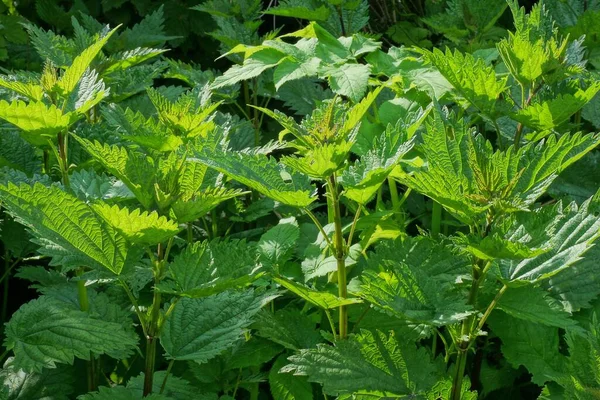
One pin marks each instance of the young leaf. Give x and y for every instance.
(136, 226)
(30, 90)
(200, 329)
(47, 331)
(136, 170)
(37, 122)
(371, 363)
(63, 220)
(349, 80)
(262, 174)
(475, 81)
(75, 71)
(324, 300)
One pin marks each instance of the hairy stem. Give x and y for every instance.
(393, 192)
(340, 255)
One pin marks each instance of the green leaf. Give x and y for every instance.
(68, 81)
(349, 80)
(532, 345)
(206, 268)
(475, 81)
(289, 328)
(289, 9)
(250, 353)
(88, 185)
(262, 174)
(371, 363)
(415, 279)
(133, 168)
(566, 232)
(199, 204)
(320, 162)
(541, 308)
(549, 114)
(277, 245)
(324, 300)
(200, 329)
(120, 393)
(47, 331)
(253, 66)
(287, 386)
(494, 247)
(55, 384)
(37, 122)
(176, 388)
(362, 180)
(62, 219)
(32, 91)
(139, 227)
(577, 286)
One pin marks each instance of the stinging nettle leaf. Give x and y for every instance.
(47, 331)
(60, 218)
(139, 227)
(200, 329)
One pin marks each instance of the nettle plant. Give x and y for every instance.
(177, 258)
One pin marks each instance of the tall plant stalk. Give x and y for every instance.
(340, 254)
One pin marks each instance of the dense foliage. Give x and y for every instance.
(384, 199)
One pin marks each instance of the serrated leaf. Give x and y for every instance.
(252, 67)
(139, 227)
(60, 218)
(176, 388)
(206, 268)
(362, 180)
(532, 345)
(200, 329)
(201, 203)
(475, 81)
(262, 174)
(287, 386)
(320, 162)
(30, 90)
(349, 80)
(119, 393)
(288, 328)
(87, 185)
(567, 234)
(540, 307)
(75, 71)
(549, 114)
(55, 384)
(369, 363)
(415, 279)
(37, 122)
(46, 331)
(134, 169)
(324, 300)
(277, 245)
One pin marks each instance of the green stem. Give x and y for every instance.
(491, 307)
(63, 161)
(393, 192)
(190, 233)
(340, 255)
(319, 226)
(331, 324)
(153, 325)
(164, 383)
(436, 219)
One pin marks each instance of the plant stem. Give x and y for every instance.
(340, 255)
(63, 161)
(153, 325)
(164, 383)
(319, 226)
(393, 192)
(491, 307)
(436, 219)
